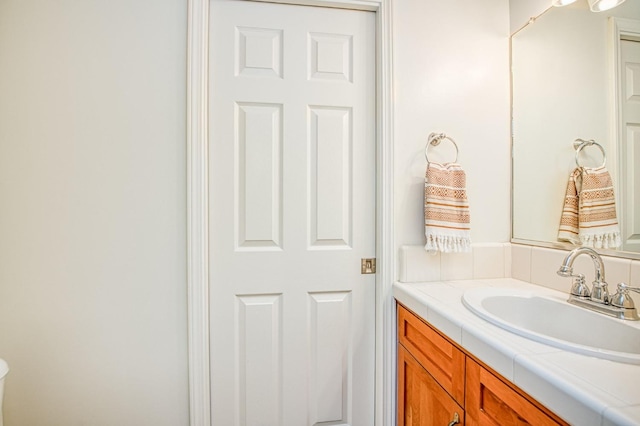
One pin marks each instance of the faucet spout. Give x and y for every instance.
(597, 299)
(566, 269)
(600, 292)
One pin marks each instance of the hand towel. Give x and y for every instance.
(446, 209)
(569, 230)
(589, 213)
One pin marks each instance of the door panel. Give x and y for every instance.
(330, 177)
(630, 146)
(259, 176)
(259, 351)
(331, 354)
(292, 202)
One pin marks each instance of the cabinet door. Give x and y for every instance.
(438, 355)
(421, 400)
(489, 401)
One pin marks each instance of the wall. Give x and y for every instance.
(92, 181)
(521, 11)
(93, 211)
(451, 73)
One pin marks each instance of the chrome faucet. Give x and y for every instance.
(600, 291)
(597, 299)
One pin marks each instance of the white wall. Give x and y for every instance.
(451, 65)
(521, 11)
(92, 188)
(92, 212)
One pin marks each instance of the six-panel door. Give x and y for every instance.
(292, 201)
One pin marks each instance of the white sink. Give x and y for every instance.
(551, 320)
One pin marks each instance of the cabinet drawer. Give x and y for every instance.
(444, 361)
(421, 400)
(490, 401)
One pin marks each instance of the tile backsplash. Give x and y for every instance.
(490, 260)
(537, 265)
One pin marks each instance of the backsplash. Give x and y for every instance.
(490, 260)
(537, 265)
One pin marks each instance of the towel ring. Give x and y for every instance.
(435, 139)
(578, 144)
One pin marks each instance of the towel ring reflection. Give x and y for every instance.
(579, 144)
(435, 139)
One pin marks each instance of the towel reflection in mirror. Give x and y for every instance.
(589, 212)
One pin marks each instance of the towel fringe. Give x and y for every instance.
(448, 244)
(603, 241)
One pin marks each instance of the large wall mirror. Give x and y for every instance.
(575, 75)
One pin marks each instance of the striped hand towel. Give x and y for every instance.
(446, 209)
(589, 212)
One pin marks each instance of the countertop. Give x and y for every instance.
(582, 390)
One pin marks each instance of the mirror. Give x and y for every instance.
(564, 87)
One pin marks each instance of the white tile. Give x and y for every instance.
(411, 299)
(444, 323)
(416, 265)
(558, 390)
(544, 266)
(456, 266)
(484, 345)
(634, 281)
(616, 270)
(507, 260)
(614, 382)
(621, 416)
(488, 261)
(521, 262)
(442, 292)
(425, 298)
(635, 274)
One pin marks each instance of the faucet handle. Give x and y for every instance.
(622, 299)
(579, 287)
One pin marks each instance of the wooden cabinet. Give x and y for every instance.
(444, 361)
(490, 401)
(437, 381)
(421, 400)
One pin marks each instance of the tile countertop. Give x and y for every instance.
(581, 389)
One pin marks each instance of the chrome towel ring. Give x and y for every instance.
(435, 139)
(579, 144)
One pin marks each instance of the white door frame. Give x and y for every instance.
(619, 28)
(198, 208)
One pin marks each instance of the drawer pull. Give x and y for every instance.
(456, 420)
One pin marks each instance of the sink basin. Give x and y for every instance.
(551, 320)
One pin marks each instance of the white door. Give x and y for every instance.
(629, 206)
(292, 201)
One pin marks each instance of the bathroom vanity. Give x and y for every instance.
(440, 383)
(461, 369)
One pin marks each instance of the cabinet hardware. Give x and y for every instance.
(456, 420)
